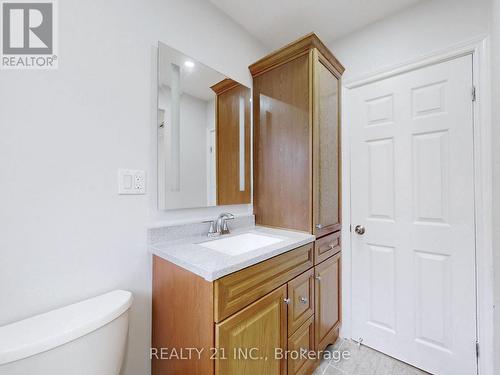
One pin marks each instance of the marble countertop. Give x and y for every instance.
(212, 264)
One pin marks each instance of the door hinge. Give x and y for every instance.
(477, 349)
(473, 93)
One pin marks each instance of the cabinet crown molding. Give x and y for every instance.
(224, 85)
(293, 50)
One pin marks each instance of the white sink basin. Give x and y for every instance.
(241, 243)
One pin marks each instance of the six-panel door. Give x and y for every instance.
(412, 178)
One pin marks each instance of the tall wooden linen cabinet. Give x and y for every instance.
(296, 117)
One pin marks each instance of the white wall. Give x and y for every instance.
(429, 26)
(193, 153)
(495, 84)
(193, 158)
(65, 234)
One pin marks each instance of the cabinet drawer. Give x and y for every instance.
(326, 246)
(301, 300)
(239, 289)
(302, 340)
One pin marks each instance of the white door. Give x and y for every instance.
(413, 270)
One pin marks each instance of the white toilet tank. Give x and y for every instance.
(86, 338)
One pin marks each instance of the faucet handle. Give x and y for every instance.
(211, 232)
(225, 228)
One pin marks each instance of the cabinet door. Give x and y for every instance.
(299, 344)
(327, 292)
(250, 336)
(282, 137)
(326, 151)
(301, 300)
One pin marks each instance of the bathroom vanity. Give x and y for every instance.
(264, 299)
(243, 312)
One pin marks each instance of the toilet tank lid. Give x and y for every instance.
(46, 331)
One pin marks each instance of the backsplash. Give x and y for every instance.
(177, 232)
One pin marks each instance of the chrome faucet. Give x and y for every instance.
(219, 226)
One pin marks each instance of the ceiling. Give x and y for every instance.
(195, 80)
(278, 22)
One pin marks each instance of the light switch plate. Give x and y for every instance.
(131, 181)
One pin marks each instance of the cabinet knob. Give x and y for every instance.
(317, 277)
(303, 300)
(319, 226)
(286, 300)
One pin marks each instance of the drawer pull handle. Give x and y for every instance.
(318, 278)
(303, 300)
(286, 300)
(319, 226)
(331, 246)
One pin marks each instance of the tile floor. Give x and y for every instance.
(362, 360)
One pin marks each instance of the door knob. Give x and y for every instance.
(359, 229)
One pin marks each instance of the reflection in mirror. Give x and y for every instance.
(203, 135)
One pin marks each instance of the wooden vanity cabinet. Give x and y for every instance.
(296, 101)
(288, 303)
(257, 307)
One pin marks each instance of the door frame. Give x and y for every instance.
(479, 48)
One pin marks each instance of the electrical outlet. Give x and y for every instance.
(131, 181)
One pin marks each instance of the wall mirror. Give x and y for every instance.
(203, 134)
